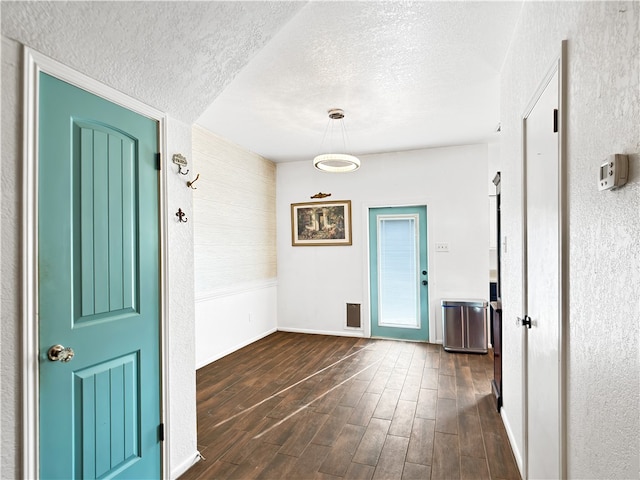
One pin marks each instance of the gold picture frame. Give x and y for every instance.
(321, 223)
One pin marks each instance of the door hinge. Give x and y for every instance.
(524, 322)
(161, 432)
(555, 120)
(158, 161)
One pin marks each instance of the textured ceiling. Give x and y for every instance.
(408, 75)
(175, 56)
(263, 74)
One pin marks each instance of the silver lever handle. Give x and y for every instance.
(58, 353)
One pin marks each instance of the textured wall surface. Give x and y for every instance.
(235, 212)
(10, 259)
(603, 422)
(315, 283)
(235, 246)
(181, 325)
(179, 55)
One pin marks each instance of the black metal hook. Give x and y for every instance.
(190, 184)
(181, 216)
(181, 172)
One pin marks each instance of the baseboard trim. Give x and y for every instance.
(358, 333)
(512, 441)
(186, 465)
(235, 348)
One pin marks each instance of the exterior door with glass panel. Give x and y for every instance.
(398, 273)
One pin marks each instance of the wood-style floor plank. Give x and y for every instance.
(363, 412)
(358, 471)
(308, 463)
(391, 462)
(472, 468)
(402, 420)
(421, 442)
(446, 457)
(413, 471)
(339, 458)
(372, 442)
(447, 416)
(329, 432)
(295, 406)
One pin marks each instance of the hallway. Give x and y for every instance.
(296, 406)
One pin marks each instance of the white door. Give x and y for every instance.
(543, 284)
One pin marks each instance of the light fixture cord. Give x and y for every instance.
(326, 129)
(344, 136)
(343, 131)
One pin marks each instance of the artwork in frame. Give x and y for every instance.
(321, 223)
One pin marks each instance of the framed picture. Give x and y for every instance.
(321, 223)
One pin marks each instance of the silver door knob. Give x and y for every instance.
(58, 353)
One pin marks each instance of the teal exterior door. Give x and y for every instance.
(98, 287)
(398, 273)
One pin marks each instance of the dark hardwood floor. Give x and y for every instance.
(295, 406)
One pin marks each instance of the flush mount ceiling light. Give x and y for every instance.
(336, 162)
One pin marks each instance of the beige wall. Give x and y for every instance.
(604, 227)
(234, 213)
(235, 246)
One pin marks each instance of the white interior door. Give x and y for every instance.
(543, 284)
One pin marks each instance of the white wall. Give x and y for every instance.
(182, 429)
(182, 434)
(231, 318)
(10, 259)
(315, 283)
(603, 115)
(234, 221)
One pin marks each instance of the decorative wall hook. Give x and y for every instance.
(181, 161)
(181, 216)
(190, 184)
(321, 195)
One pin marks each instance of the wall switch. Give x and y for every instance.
(442, 247)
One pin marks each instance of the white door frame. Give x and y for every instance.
(560, 66)
(34, 63)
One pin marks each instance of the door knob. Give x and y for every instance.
(58, 353)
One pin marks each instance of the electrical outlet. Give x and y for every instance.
(442, 247)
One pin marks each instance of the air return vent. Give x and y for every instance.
(353, 315)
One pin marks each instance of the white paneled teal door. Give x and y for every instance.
(98, 263)
(398, 273)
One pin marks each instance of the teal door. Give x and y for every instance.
(98, 262)
(399, 273)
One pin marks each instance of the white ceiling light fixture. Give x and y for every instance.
(336, 162)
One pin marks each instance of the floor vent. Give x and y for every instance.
(353, 315)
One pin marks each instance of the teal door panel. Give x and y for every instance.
(399, 273)
(98, 262)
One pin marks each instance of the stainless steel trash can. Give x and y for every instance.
(464, 325)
